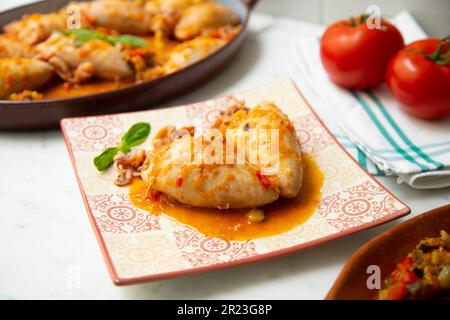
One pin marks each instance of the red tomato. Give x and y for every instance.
(357, 57)
(419, 78)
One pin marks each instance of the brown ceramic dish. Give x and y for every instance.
(45, 114)
(385, 251)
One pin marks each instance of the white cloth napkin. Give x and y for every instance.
(370, 123)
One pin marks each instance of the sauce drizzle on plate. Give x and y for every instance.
(281, 216)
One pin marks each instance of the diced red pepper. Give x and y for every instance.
(106, 31)
(265, 182)
(409, 277)
(395, 276)
(68, 86)
(396, 292)
(154, 194)
(179, 182)
(87, 20)
(405, 263)
(215, 33)
(136, 53)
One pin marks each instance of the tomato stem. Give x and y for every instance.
(362, 19)
(438, 57)
(435, 56)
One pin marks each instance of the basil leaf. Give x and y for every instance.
(137, 134)
(134, 136)
(130, 40)
(105, 159)
(85, 35)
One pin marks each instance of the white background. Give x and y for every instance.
(433, 15)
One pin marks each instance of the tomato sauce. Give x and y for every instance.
(280, 216)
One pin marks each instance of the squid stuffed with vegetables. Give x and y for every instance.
(195, 19)
(36, 27)
(121, 16)
(10, 47)
(19, 74)
(220, 185)
(78, 63)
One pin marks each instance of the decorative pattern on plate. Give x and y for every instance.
(199, 250)
(207, 112)
(136, 254)
(312, 135)
(95, 133)
(339, 173)
(116, 214)
(140, 247)
(314, 228)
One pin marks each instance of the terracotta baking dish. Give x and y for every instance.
(45, 114)
(385, 251)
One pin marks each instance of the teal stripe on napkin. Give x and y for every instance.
(400, 133)
(423, 147)
(362, 158)
(385, 133)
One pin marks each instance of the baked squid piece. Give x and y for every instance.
(190, 52)
(19, 74)
(10, 48)
(35, 28)
(170, 6)
(165, 14)
(123, 16)
(198, 18)
(181, 56)
(289, 173)
(221, 185)
(77, 63)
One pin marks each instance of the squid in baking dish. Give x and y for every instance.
(184, 19)
(220, 185)
(19, 74)
(195, 19)
(36, 27)
(121, 41)
(122, 16)
(78, 63)
(11, 47)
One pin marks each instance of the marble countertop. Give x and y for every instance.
(48, 248)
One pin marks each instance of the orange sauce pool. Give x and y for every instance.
(281, 216)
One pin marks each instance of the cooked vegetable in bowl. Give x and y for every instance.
(423, 274)
(117, 43)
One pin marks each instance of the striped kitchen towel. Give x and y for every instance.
(416, 151)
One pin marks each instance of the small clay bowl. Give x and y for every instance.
(385, 251)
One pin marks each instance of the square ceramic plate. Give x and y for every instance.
(140, 247)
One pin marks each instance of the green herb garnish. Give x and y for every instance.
(137, 134)
(105, 159)
(130, 40)
(85, 35)
(134, 136)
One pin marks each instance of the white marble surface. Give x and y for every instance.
(48, 248)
